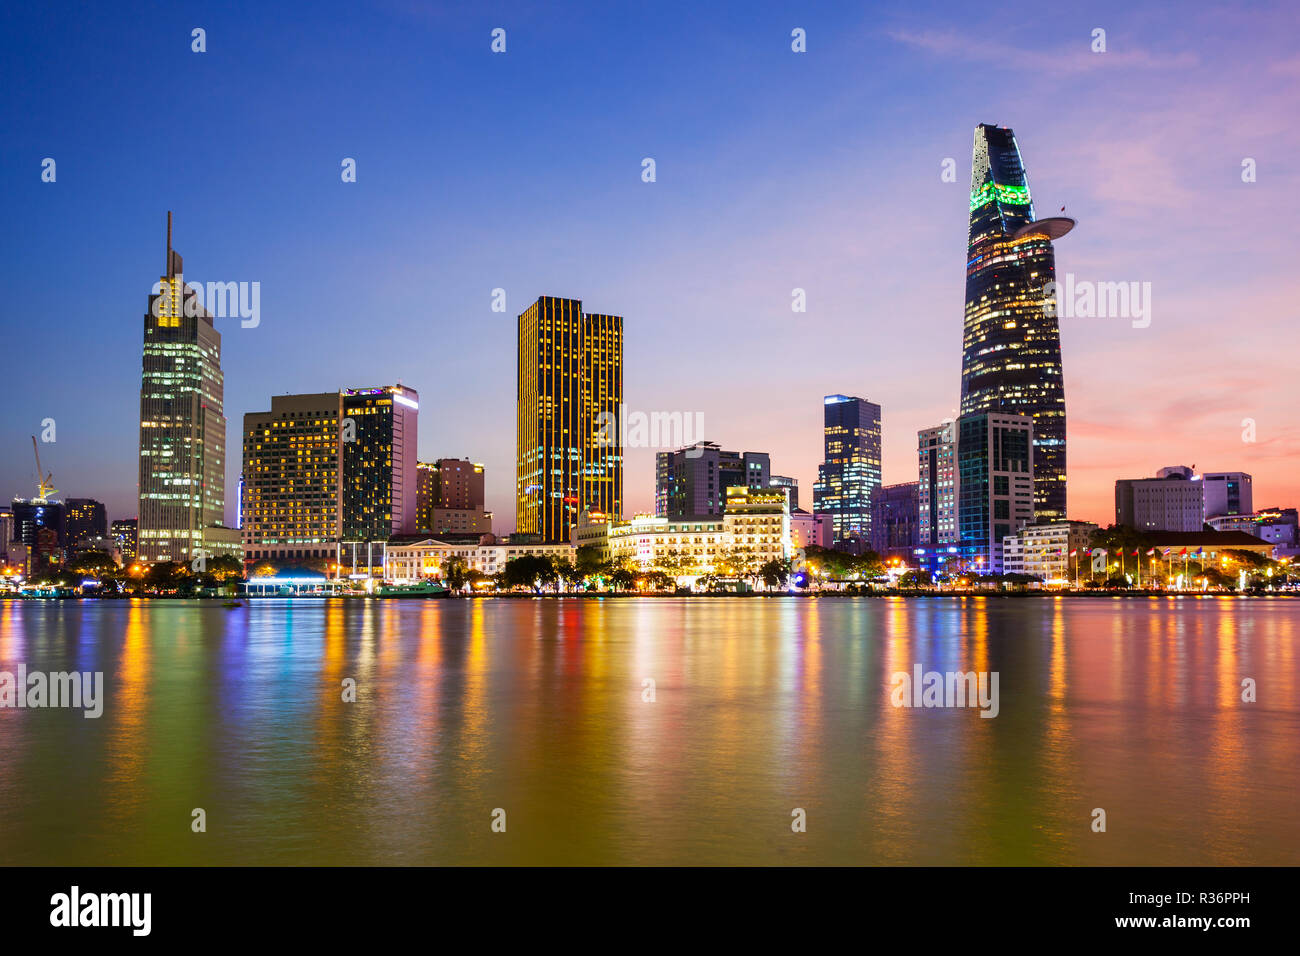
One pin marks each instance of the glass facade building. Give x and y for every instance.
(182, 479)
(851, 471)
(995, 484)
(570, 389)
(379, 462)
(1011, 347)
(329, 467)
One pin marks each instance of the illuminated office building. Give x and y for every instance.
(87, 518)
(1174, 500)
(975, 487)
(41, 524)
(851, 471)
(936, 490)
(570, 386)
(292, 479)
(995, 484)
(379, 462)
(1227, 493)
(182, 480)
(123, 531)
(328, 468)
(1011, 345)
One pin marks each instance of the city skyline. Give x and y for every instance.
(719, 233)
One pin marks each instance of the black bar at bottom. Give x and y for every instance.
(935, 905)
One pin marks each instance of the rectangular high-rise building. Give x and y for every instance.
(1172, 501)
(182, 478)
(87, 518)
(895, 519)
(379, 462)
(570, 386)
(124, 531)
(995, 484)
(936, 491)
(851, 470)
(450, 498)
(293, 479)
(1227, 493)
(325, 468)
(692, 482)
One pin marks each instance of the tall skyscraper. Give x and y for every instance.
(570, 387)
(182, 426)
(1011, 345)
(851, 471)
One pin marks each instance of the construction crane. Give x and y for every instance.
(46, 484)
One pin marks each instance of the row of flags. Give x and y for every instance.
(1120, 552)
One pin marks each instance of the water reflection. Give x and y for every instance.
(542, 709)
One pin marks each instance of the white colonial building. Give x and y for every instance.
(754, 529)
(410, 560)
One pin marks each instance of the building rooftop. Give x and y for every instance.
(1206, 539)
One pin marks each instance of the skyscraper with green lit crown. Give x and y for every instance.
(1011, 345)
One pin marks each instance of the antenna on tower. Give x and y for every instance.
(167, 267)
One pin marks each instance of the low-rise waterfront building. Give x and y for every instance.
(1051, 552)
(755, 528)
(1278, 526)
(807, 529)
(410, 558)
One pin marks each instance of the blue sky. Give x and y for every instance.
(522, 170)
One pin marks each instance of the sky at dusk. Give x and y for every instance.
(775, 170)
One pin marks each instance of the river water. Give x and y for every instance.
(655, 731)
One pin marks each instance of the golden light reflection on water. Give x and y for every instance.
(129, 733)
(760, 706)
